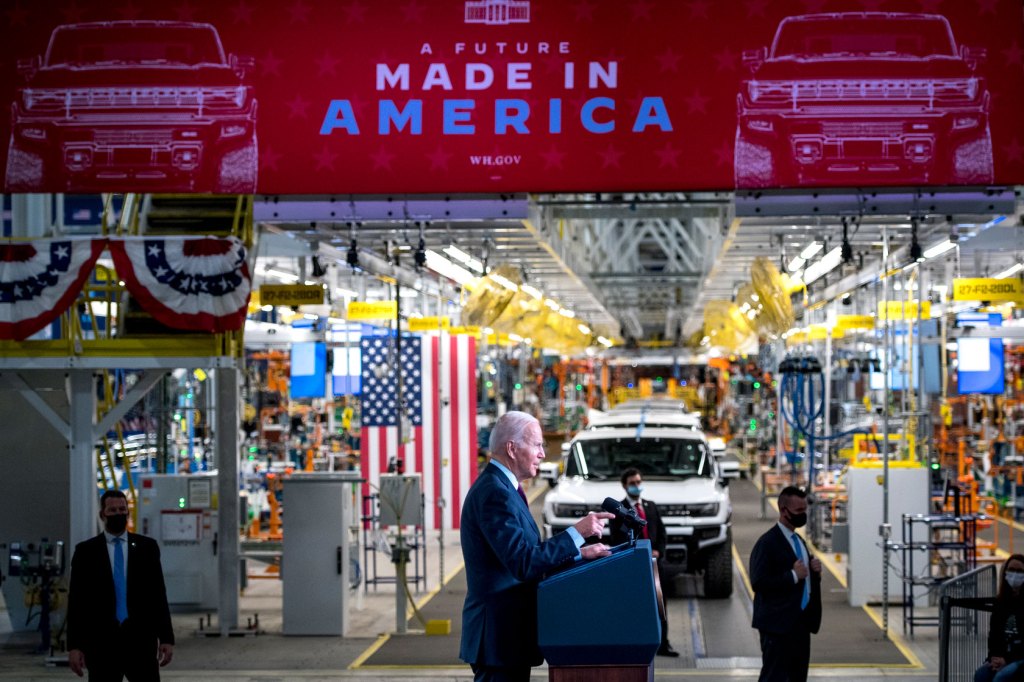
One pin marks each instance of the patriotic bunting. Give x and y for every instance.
(40, 279)
(196, 283)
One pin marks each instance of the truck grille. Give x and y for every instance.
(862, 129)
(135, 98)
(125, 138)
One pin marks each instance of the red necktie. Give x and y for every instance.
(642, 515)
(522, 494)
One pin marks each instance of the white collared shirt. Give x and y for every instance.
(573, 533)
(110, 551)
(789, 539)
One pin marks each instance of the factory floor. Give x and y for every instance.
(713, 637)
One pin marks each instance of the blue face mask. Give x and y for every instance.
(635, 490)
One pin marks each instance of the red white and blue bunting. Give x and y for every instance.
(196, 283)
(40, 279)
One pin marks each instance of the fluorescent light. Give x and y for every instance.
(584, 329)
(277, 274)
(565, 312)
(604, 342)
(535, 293)
(515, 337)
(347, 293)
(829, 262)
(464, 258)
(811, 249)
(508, 284)
(1010, 271)
(267, 308)
(446, 268)
(310, 316)
(796, 264)
(939, 248)
(551, 304)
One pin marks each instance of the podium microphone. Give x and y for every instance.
(628, 516)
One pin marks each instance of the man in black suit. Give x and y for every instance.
(787, 593)
(506, 558)
(118, 621)
(654, 531)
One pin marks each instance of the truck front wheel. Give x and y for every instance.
(718, 570)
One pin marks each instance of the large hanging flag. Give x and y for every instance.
(40, 279)
(439, 433)
(196, 283)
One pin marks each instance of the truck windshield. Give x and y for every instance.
(844, 37)
(656, 458)
(111, 45)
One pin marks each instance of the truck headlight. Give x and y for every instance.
(574, 511)
(964, 122)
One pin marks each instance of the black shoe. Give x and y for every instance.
(666, 650)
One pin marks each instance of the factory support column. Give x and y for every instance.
(83, 504)
(226, 450)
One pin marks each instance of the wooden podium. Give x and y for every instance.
(601, 673)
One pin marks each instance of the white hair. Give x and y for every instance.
(510, 428)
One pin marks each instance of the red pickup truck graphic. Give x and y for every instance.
(863, 98)
(124, 105)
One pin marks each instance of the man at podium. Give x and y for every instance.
(505, 557)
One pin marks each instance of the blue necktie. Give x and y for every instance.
(806, 598)
(120, 583)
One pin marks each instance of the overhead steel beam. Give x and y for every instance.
(393, 207)
(977, 201)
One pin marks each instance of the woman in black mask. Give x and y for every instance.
(1006, 629)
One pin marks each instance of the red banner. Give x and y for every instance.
(417, 96)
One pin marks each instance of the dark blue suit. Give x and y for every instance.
(785, 628)
(505, 559)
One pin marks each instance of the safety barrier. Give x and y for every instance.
(964, 604)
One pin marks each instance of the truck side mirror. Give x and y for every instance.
(752, 59)
(974, 56)
(27, 67)
(241, 64)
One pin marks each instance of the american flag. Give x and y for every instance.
(439, 392)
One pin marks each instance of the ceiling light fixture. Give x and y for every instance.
(811, 249)
(446, 268)
(533, 292)
(1010, 271)
(939, 248)
(829, 262)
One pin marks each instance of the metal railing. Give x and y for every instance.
(965, 603)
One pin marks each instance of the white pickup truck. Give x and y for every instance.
(680, 475)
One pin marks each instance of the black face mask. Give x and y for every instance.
(116, 523)
(798, 520)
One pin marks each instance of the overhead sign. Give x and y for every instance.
(903, 310)
(855, 322)
(468, 330)
(428, 324)
(376, 310)
(988, 289)
(356, 97)
(291, 294)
